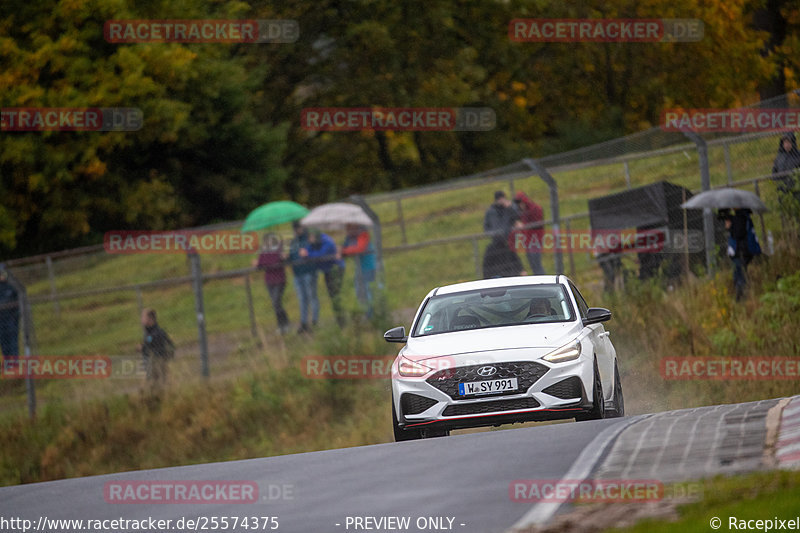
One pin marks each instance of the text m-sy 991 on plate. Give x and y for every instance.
(487, 387)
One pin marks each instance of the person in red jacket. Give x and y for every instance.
(357, 244)
(530, 237)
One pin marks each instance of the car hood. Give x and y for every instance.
(548, 336)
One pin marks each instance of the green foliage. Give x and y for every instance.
(222, 132)
(201, 154)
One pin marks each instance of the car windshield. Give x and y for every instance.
(501, 306)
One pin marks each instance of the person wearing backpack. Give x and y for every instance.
(157, 348)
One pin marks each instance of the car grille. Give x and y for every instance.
(566, 389)
(490, 407)
(413, 404)
(526, 372)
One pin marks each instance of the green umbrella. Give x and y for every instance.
(272, 214)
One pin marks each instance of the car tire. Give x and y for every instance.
(598, 410)
(401, 434)
(619, 398)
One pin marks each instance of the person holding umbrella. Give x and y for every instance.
(270, 260)
(305, 278)
(742, 246)
(357, 243)
(326, 258)
(742, 242)
(273, 214)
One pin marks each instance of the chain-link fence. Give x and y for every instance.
(220, 316)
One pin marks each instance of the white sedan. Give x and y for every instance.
(498, 351)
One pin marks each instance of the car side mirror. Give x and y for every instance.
(397, 334)
(595, 315)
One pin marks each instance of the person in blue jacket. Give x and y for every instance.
(743, 246)
(323, 253)
(305, 278)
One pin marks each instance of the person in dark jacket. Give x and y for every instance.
(530, 213)
(788, 158)
(9, 320)
(743, 246)
(786, 161)
(157, 348)
(270, 260)
(305, 279)
(323, 253)
(500, 217)
(499, 260)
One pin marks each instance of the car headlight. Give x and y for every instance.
(567, 352)
(408, 368)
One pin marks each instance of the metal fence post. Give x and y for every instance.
(705, 182)
(553, 186)
(52, 277)
(197, 285)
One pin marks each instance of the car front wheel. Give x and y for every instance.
(619, 399)
(598, 410)
(401, 434)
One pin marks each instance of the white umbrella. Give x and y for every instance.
(336, 216)
(726, 198)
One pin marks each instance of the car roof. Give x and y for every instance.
(497, 282)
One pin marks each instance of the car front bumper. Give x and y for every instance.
(546, 391)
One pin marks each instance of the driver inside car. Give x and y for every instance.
(540, 307)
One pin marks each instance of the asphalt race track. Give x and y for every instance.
(458, 483)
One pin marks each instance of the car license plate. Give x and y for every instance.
(492, 386)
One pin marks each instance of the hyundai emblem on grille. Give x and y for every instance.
(487, 371)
